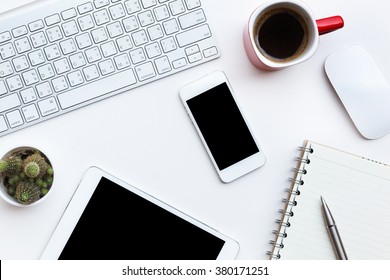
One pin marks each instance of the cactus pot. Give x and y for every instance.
(26, 176)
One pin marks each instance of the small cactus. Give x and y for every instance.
(10, 166)
(3, 166)
(32, 169)
(14, 180)
(40, 161)
(44, 191)
(27, 193)
(11, 191)
(14, 165)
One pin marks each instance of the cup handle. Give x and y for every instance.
(329, 24)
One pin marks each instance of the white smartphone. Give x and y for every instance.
(223, 129)
(108, 219)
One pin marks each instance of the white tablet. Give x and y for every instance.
(108, 219)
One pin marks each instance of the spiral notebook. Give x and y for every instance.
(356, 189)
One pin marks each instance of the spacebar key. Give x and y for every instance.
(96, 89)
(193, 35)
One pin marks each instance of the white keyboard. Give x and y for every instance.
(57, 56)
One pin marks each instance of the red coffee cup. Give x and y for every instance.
(284, 33)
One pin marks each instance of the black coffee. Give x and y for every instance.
(281, 35)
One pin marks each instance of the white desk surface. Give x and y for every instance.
(145, 138)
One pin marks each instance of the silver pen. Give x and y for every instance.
(333, 232)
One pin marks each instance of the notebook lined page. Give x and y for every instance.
(358, 193)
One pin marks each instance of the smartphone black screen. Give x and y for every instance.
(222, 126)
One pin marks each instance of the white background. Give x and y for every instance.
(145, 138)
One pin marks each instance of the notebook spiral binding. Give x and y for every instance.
(290, 202)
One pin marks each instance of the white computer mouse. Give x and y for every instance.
(362, 89)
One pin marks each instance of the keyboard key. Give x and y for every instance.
(52, 52)
(178, 63)
(62, 65)
(7, 51)
(163, 65)
(86, 22)
(5, 36)
(14, 118)
(91, 72)
(36, 25)
(99, 35)
(132, 6)
(38, 39)
(114, 29)
(28, 95)
(30, 113)
(70, 28)
(53, 19)
(83, 41)
(20, 63)
(177, 7)
(145, 18)
(106, 67)
(148, 3)
(19, 31)
(6, 69)
(68, 46)
(85, 8)
(117, 11)
(3, 89)
(193, 35)
(44, 89)
(93, 54)
(14, 83)
(101, 17)
(36, 57)
(97, 89)
(137, 56)
(194, 57)
(48, 106)
(124, 43)
(145, 71)
(168, 44)
(192, 49)
(46, 71)
(30, 77)
(54, 34)
(70, 13)
(170, 26)
(192, 4)
(140, 37)
(108, 49)
(101, 3)
(9, 102)
(77, 60)
(130, 24)
(122, 61)
(59, 84)
(192, 19)
(153, 50)
(3, 124)
(22, 45)
(155, 32)
(210, 52)
(161, 12)
(75, 78)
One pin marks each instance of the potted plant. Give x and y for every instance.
(26, 176)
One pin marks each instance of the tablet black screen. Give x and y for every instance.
(120, 225)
